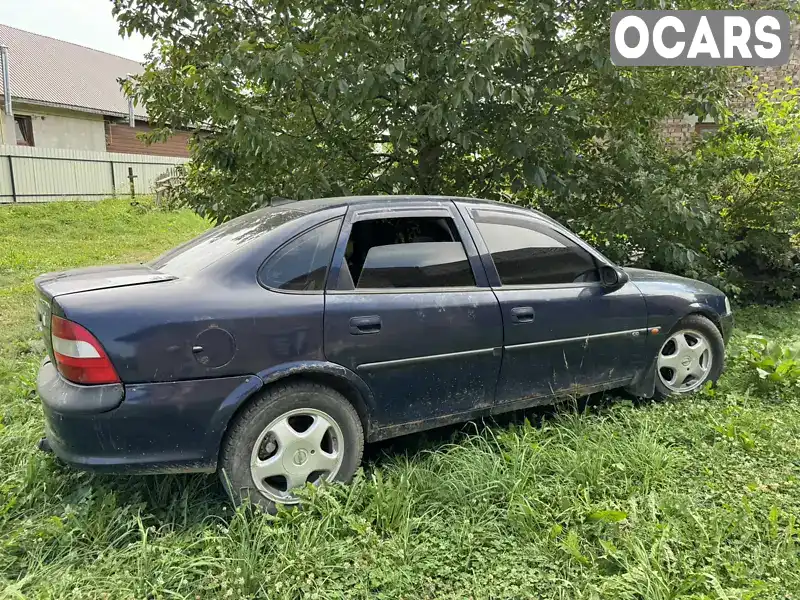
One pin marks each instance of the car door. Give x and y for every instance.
(409, 309)
(563, 330)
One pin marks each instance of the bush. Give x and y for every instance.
(725, 210)
(751, 171)
(774, 363)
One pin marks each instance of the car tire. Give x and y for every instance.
(285, 422)
(680, 356)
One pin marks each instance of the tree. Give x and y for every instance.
(309, 98)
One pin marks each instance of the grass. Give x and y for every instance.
(695, 498)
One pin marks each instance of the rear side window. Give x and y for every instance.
(529, 253)
(301, 265)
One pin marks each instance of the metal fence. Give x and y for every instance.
(47, 174)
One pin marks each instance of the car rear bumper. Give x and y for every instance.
(139, 428)
(63, 396)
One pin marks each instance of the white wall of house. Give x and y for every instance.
(57, 128)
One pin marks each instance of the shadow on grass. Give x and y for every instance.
(186, 499)
(416, 443)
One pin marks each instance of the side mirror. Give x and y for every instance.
(612, 277)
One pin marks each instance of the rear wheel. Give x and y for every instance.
(293, 434)
(692, 355)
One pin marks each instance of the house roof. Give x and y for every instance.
(46, 71)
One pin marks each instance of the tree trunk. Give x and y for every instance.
(428, 179)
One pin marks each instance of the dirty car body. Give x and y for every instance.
(421, 311)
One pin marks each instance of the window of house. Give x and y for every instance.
(706, 129)
(302, 263)
(24, 130)
(107, 129)
(405, 253)
(529, 253)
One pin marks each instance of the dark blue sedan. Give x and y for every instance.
(272, 347)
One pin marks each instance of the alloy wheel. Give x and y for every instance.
(300, 446)
(684, 361)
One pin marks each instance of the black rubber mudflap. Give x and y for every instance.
(44, 446)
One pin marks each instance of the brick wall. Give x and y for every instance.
(121, 137)
(678, 131)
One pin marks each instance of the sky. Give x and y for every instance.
(85, 22)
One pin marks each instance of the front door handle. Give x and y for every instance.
(365, 325)
(522, 314)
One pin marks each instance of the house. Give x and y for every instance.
(66, 96)
(679, 131)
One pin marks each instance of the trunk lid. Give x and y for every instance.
(52, 285)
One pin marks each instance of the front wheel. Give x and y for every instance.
(692, 355)
(292, 434)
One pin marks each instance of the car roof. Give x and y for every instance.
(387, 200)
(232, 238)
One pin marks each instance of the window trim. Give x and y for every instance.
(542, 224)
(357, 213)
(321, 291)
(416, 290)
(29, 119)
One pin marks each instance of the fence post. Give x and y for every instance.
(13, 183)
(131, 177)
(113, 180)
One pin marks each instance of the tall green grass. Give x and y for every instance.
(696, 498)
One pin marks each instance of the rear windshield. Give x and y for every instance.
(209, 247)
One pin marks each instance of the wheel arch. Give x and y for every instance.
(337, 377)
(704, 310)
(357, 394)
(644, 384)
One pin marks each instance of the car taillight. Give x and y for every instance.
(79, 356)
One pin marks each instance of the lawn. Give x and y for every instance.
(693, 498)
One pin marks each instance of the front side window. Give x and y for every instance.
(301, 265)
(529, 253)
(405, 253)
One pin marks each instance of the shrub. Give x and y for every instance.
(751, 176)
(725, 210)
(775, 364)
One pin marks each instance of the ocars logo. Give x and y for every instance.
(700, 38)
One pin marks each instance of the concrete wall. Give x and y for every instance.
(57, 128)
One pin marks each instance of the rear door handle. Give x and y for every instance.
(522, 314)
(365, 325)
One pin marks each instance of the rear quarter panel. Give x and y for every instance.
(150, 331)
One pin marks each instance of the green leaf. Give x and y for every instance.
(571, 545)
(608, 516)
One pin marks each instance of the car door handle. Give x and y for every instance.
(365, 325)
(522, 314)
